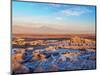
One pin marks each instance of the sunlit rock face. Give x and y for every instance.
(76, 39)
(74, 42)
(17, 57)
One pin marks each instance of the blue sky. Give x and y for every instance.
(69, 18)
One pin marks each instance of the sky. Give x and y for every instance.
(52, 18)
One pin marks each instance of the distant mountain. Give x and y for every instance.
(46, 29)
(34, 30)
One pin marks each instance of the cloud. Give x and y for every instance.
(75, 11)
(59, 18)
